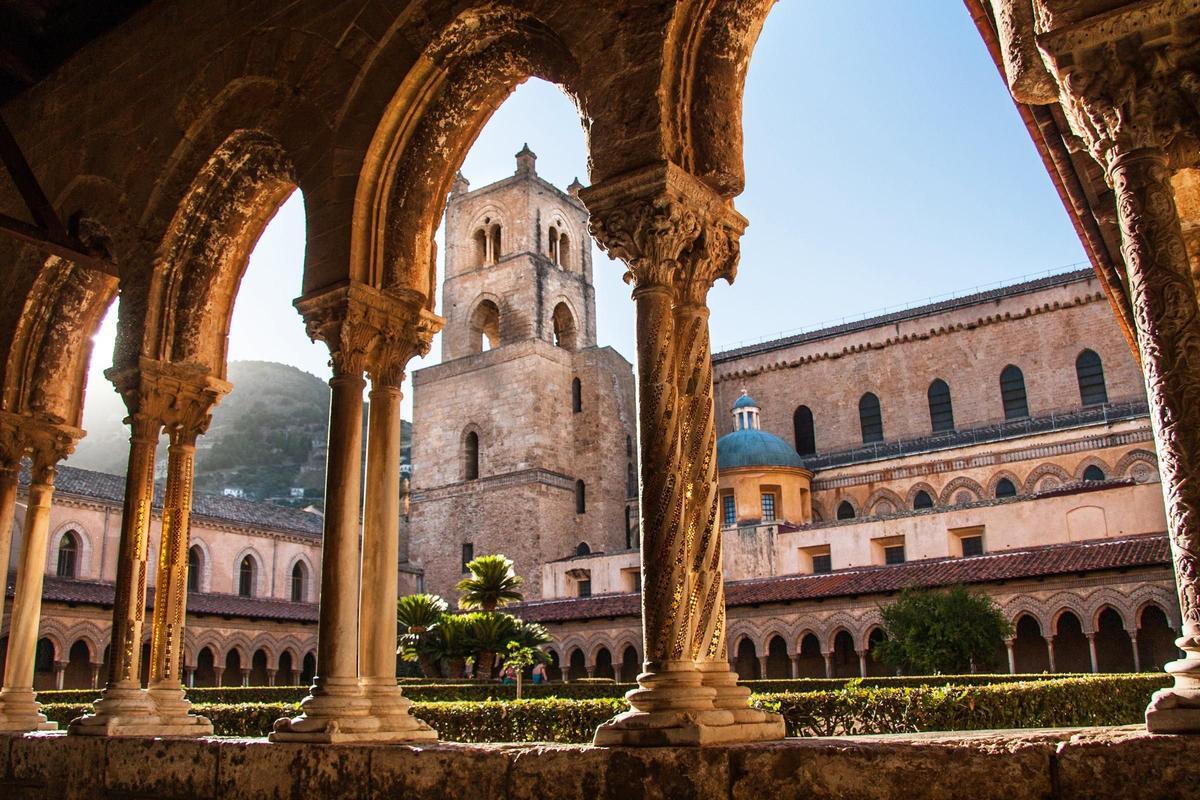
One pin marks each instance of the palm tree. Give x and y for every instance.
(450, 643)
(533, 636)
(492, 583)
(418, 615)
(490, 633)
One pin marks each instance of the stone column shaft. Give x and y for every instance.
(862, 663)
(1050, 652)
(1168, 337)
(1137, 657)
(123, 705)
(18, 709)
(1010, 646)
(170, 599)
(8, 513)
(381, 543)
(1091, 637)
(795, 659)
(677, 237)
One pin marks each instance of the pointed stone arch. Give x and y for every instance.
(1093, 461)
(998, 476)
(921, 486)
(1140, 465)
(884, 501)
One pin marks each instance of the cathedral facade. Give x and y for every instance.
(523, 436)
(998, 439)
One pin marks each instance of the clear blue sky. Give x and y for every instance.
(878, 173)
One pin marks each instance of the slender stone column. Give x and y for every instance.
(1137, 657)
(19, 711)
(124, 707)
(96, 674)
(60, 673)
(12, 446)
(270, 677)
(762, 666)
(795, 659)
(862, 663)
(381, 538)
(1010, 646)
(828, 656)
(1050, 652)
(1091, 637)
(359, 324)
(170, 600)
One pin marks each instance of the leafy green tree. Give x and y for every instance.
(518, 659)
(947, 631)
(492, 583)
(418, 615)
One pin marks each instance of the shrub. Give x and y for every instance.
(854, 709)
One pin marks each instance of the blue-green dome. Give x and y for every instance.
(752, 447)
(745, 401)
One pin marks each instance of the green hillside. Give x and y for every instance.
(267, 438)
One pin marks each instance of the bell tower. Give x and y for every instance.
(523, 435)
(518, 265)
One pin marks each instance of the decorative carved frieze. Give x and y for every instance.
(176, 397)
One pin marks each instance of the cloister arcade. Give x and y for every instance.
(371, 122)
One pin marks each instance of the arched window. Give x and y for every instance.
(631, 483)
(299, 579)
(941, 410)
(565, 334)
(1093, 473)
(922, 500)
(481, 247)
(845, 510)
(1005, 488)
(68, 550)
(806, 439)
(195, 560)
(496, 249)
(870, 419)
(576, 396)
(552, 244)
(1012, 393)
(471, 456)
(485, 327)
(1090, 374)
(246, 577)
(628, 446)
(564, 250)
(580, 498)
(582, 549)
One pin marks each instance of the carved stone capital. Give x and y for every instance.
(1130, 79)
(176, 397)
(367, 329)
(49, 442)
(12, 441)
(670, 229)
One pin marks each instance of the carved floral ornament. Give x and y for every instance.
(1131, 81)
(670, 229)
(367, 329)
(177, 397)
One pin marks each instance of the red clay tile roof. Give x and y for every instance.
(111, 488)
(60, 590)
(1149, 550)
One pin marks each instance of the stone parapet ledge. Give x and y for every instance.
(1013, 765)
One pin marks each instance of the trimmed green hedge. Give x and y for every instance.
(474, 691)
(1064, 702)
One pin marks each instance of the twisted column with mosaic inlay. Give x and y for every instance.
(657, 220)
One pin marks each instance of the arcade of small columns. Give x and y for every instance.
(1130, 97)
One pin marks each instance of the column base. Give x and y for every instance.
(175, 712)
(673, 707)
(21, 713)
(736, 699)
(681, 729)
(336, 711)
(394, 711)
(122, 710)
(1177, 708)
